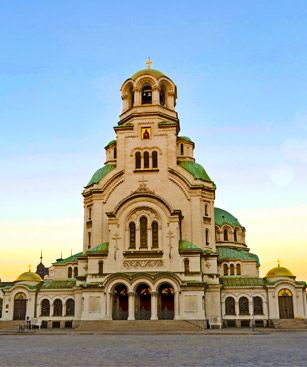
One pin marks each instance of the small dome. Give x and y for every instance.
(278, 272)
(222, 217)
(29, 276)
(156, 73)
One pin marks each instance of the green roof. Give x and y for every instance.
(111, 143)
(227, 253)
(58, 284)
(100, 174)
(222, 217)
(153, 72)
(102, 248)
(242, 282)
(72, 258)
(186, 138)
(188, 246)
(167, 123)
(197, 170)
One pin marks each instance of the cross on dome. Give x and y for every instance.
(148, 63)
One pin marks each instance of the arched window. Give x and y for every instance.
(162, 96)
(75, 272)
(207, 236)
(206, 210)
(155, 234)
(146, 94)
(238, 269)
(57, 307)
(230, 306)
(146, 160)
(243, 306)
(70, 307)
(137, 160)
(143, 232)
(181, 149)
(257, 306)
(131, 97)
(186, 263)
(69, 275)
(225, 234)
(89, 239)
(45, 307)
(132, 235)
(114, 153)
(89, 213)
(235, 235)
(232, 269)
(225, 267)
(154, 159)
(100, 267)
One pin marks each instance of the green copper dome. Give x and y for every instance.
(196, 170)
(100, 174)
(153, 72)
(222, 217)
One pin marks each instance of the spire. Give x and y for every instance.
(41, 257)
(148, 63)
(29, 268)
(278, 263)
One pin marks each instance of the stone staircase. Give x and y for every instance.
(142, 326)
(11, 325)
(290, 324)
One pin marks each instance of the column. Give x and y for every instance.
(109, 301)
(131, 305)
(176, 306)
(154, 306)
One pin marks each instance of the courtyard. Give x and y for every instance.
(71, 349)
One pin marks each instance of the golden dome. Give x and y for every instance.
(278, 272)
(29, 276)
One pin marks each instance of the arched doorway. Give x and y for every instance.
(166, 302)
(142, 302)
(120, 303)
(285, 303)
(20, 306)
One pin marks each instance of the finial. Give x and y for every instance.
(29, 268)
(278, 263)
(148, 63)
(61, 255)
(41, 256)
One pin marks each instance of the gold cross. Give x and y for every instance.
(278, 263)
(29, 268)
(148, 63)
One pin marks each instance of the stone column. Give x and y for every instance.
(176, 306)
(131, 306)
(109, 300)
(154, 306)
(155, 95)
(137, 97)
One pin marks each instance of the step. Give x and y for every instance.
(11, 325)
(290, 324)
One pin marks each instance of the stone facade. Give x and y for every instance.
(154, 245)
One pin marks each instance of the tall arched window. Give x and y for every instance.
(186, 263)
(114, 153)
(100, 267)
(181, 149)
(155, 234)
(45, 307)
(207, 236)
(143, 232)
(75, 272)
(238, 268)
(225, 234)
(70, 307)
(146, 94)
(257, 306)
(225, 267)
(132, 235)
(69, 273)
(57, 307)
(232, 269)
(154, 159)
(131, 97)
(146, 160)
(235, 235)
(137, 160)
(243, 306)
(230, 306)
(206, 210)
(162, 96)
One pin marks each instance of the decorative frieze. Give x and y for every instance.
(142, 263)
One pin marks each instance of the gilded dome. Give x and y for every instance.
(278, 272)
(29, 276)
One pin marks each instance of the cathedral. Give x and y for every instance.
(154, 245)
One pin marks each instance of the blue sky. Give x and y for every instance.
(240, 68)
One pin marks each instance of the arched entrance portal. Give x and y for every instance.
(120, 303)
(142, 302)
(285, 303)
(20, 306)
(166, 302)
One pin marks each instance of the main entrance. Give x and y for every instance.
(20, 306)
(285, 303)
(120, 303)
(142, 302)
(166, 302)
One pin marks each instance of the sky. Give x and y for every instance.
(240, 69)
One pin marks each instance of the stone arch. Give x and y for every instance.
(147, 79)
(120, 304)
(142, 300)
